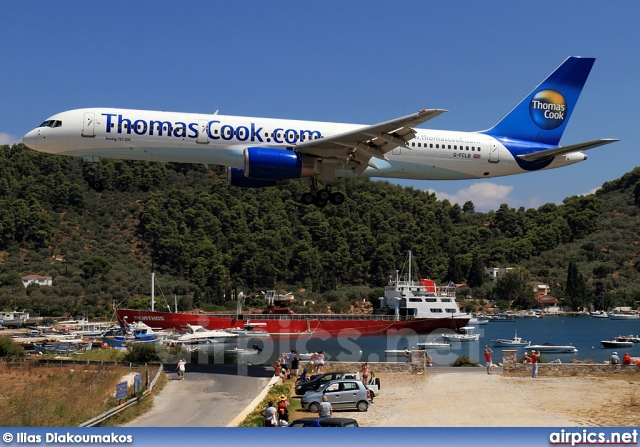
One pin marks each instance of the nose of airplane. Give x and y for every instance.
(29, 139)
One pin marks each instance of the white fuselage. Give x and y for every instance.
(221, 140)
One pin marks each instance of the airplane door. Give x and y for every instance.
(203, 134)
(88, 125)
(494, 153)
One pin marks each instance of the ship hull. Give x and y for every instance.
(295, 324)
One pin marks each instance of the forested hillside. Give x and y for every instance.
(207, 241)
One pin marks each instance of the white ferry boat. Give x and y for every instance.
(422, 299)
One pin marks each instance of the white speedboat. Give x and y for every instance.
(478, 321)
(198, 334)
(548, 347)
(515, 341)
(599, 314)
(624, 316)
(465, 334)
(251, 330)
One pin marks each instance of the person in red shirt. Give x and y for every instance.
(534, 364)
(626, 360)
(487, 358)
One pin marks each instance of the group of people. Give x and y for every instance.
(276, 415)
(316, 362)
(615, 360)
(287, 366)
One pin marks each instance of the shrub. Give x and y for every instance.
(142, 353)
(464, 360)
(9, 348)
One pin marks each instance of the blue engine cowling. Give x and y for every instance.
(236, 177)
(277, 164)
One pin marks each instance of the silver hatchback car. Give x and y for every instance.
(341, 394)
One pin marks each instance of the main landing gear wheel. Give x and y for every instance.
(337, 198)
(321, 198)
(307, 198)
(323, 195)
(97, 185)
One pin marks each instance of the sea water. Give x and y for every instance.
(583, 332)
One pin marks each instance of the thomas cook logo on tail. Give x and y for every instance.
(548, 109)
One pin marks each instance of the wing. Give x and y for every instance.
(355, 149)
(548, 153)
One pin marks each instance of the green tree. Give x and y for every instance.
(94, 266)
(476, 275)
(514, 287)
(576, 288)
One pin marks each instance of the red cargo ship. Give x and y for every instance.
(418, 306)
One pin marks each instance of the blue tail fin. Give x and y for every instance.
(542, 116)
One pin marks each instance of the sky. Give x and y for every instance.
(359, 62)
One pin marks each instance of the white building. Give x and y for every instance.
(40, 280)
(496, 272)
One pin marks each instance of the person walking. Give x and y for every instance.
(325, 410)
(487, 357)
(365, 373)
(320, 361)
(180, 368)
(283, 408)
(534, 364)
(270, 415)
(277, 370)
(294, 359)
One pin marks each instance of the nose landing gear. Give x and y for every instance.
(91, 173)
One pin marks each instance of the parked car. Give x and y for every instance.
(320, 379)
(324, 422)
(316, 381)
(341, 394)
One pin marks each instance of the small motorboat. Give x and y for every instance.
(501, 318)
(515, 341)
(631, 338)
(465, 334)
(433, 345)
(548, 347)
(243, 351)
(616, 344)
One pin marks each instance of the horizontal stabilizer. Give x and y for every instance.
(548, 153)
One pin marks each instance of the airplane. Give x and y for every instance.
(264, 152)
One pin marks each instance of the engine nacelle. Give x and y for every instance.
(277, 164)
(236, 177)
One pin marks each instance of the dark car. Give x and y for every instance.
(324, 422)
(319, 380)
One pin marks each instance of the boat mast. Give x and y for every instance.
(153, 285)
(410, 277)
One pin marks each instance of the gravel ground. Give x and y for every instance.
(477, 399)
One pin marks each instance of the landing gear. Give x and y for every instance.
(91, 173)
(321, 197)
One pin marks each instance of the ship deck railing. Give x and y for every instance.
(341, 317)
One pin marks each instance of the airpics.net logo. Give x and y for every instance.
(548, 109)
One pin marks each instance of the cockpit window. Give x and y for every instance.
(51, 123)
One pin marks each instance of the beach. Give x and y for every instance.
(477, 399)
